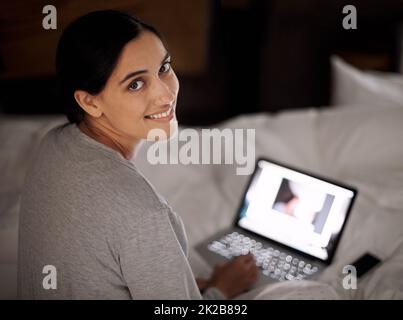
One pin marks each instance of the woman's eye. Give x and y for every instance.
(165, 67)
(136, 85)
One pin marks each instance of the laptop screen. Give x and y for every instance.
(296, 209)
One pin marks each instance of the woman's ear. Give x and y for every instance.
(88, 103)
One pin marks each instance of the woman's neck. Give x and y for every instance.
(103, 134)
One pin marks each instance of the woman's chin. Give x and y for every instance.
(173, 129)
(164, 131)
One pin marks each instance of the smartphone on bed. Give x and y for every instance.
(365, 263)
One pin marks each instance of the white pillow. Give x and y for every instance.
(351, 86)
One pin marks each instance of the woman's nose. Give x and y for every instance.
(164, 95)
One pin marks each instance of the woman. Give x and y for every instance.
(86, 211)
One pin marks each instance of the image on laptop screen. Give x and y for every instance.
(295, 209)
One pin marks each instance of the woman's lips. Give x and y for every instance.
(160, 117)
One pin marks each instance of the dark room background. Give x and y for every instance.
(231, 56)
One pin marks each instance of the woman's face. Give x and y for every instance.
(141, 93)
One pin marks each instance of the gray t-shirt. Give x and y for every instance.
(88, 213)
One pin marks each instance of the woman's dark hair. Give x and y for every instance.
(88, 51)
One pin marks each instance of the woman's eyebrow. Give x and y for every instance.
(135, 73)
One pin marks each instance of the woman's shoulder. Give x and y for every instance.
(134, 185)
(73, 165)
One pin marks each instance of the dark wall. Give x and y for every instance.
(262, 56)
(274, 55)
(301, 35)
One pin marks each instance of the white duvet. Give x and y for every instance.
(359, 146)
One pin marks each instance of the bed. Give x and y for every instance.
(358, 146)
(357, 143)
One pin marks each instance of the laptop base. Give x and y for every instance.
(276, 263)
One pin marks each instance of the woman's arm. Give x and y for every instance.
(231, 278)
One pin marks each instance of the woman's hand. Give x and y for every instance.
(232, 277)
(202, 284)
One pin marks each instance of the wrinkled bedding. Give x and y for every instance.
(360, 146)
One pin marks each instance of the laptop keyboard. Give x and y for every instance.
(278, 265)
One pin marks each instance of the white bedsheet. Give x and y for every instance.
(361, 146)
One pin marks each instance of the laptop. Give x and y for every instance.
(290, 220)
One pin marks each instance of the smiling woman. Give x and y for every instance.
(116, 79)
(86, 211)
